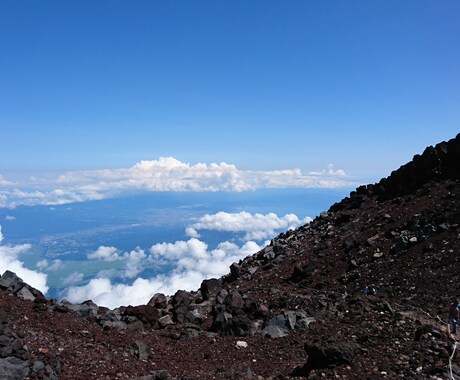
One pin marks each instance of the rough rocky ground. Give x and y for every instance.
(296, 309)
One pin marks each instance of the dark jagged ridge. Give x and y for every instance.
(304, 290)
(435, 164)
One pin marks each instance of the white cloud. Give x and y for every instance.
(42, 264)
(191, 232)
(105, 254)
(164, 174)
(192, 262)
(4, 182)
(256, 226)
(10, 218)
(133, 260)
(329, 171)
(9, 261)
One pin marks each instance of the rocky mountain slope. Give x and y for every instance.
(295, 309)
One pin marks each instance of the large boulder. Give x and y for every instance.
(209, 288)
(11, 281)
(12, 368)
(159, 300)
(148, 315)
(325, 354)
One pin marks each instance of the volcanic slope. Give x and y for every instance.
(295, 309)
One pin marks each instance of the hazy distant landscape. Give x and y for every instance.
(62, 236)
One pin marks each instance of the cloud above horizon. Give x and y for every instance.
(163, 174)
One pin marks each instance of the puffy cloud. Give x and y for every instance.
(133, 260)
(191, 232)
(42, 264)
(188, 261)
(4, 182)
(191, 260)
(164, 174)
(329, 171)
(105, 254)
(9, 261)
(256, 226)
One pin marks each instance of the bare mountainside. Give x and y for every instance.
(295, 309)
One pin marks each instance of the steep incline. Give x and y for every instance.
(296, 308)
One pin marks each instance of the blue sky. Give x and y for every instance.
(264, 85)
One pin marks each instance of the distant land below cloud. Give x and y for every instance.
(121, 250)
(166, 174)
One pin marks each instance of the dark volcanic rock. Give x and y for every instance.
(159, 300)
(209, 288)
(330, 354)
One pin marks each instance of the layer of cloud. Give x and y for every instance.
(188, 262)
(134, 260)
(164, 174)
(255, 226)
(191, 260)
(9, 261)
(4, 182)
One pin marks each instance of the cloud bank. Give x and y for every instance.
(183, 264)
(189, 261)
(255, 226)
(164, 174)
(9, 261)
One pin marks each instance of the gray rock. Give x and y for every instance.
(159, 300)
(277, 327)
(234, 300)
(282, 324)
(10, 280)
(209, 288)
(38, 366)
(119, 325)
(194, 316)
(84, 309)
(165, 320)
(12, 368)
(235, 272)
(142, 351)
(25, 294)
(6, 348)
(181, 298)
(160, 375)
(136, 326)
(220, 296)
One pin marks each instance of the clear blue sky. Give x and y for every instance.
(261, 84)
